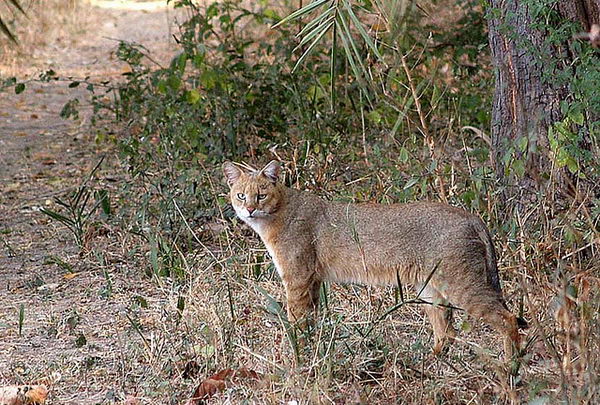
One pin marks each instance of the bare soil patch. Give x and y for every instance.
(74, 330)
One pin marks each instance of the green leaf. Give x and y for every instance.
(315, 93)
(561, 157)
(300, 12)
(403, 155)
(362, 31)
(198, 59)
(179, 62)
(351, 50)
(57, 216)
(518, 167)
(104, 201)
(552, 139)
(308, 27)
(273, 307)
(19, 88)
(181, 303)
(522, 143)
(81, 341)
(272, 14)
(69, 110)
(161, 86)
(312, 45)
(73, 84)
(192, 96)
(348, 51)
(577, 117)
(141, 301)
(411, 182)
(207, 351)
(374, 116)
(21, 318)
(209, 78)
(174, 82)
(465, 326)
(572, 165)
(325, 26)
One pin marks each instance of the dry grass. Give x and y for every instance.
(48, 24)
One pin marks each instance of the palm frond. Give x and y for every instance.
(17, 5)
(4, 28)
(361, 29)
(339, 17)
(301, 12)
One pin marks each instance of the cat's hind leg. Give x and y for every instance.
(440, 316)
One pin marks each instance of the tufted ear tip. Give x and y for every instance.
(232, 172)
(271, 170)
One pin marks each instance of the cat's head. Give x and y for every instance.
(254, 194)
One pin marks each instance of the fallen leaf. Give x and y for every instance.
(44, 158)
(210, 386)
(217, 383)
(244, 372)
(70, 276)
(23, 394)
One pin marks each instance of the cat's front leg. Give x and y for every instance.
(302, 289)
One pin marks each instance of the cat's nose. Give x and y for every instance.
(251, 210)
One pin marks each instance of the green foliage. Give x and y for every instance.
(78, 210)
(21, 318)
(553, 51)
(228, 96)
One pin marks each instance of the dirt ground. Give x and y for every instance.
(70, 336)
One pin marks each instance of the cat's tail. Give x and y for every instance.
(491, 265)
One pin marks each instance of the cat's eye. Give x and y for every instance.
(262, 197)
(241, 196)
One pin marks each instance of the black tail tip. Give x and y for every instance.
(522, 323)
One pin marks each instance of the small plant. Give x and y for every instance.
(21, 318)
(76, 212)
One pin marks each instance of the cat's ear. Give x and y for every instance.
(271, 171)
(232, 172)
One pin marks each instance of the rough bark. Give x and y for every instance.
(527, 99)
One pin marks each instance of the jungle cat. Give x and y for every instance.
(445, 252)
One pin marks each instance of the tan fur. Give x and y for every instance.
(312, 240)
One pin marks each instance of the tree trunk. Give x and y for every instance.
(532, 78)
